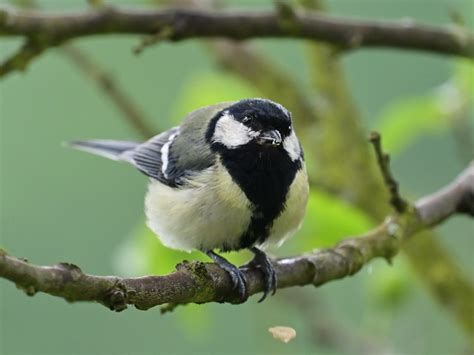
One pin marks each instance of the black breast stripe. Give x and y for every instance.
(265, 176)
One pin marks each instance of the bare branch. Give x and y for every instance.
(457, 197)
(235, 24)
(383, 160)
(200, 283)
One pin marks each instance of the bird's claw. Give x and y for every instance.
(269, 274)
(239, 282)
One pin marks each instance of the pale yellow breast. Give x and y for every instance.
(291, 218)
(210, 212)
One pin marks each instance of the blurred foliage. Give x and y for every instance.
(324, 226)
(405, 121)
(207, 88)
(389, 287)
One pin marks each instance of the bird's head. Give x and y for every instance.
(256, 124)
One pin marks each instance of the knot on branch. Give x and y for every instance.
(29, 290)
(165, 32)
(287, 17)
(116, 298)
(72, 272)
(351, 255)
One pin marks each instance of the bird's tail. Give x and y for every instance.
(115, 150)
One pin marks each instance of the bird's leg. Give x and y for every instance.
(237, 276)
(269, 275)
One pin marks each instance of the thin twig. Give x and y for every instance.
(20, 60)
(383, 160)
(161, 35)
(135, 117)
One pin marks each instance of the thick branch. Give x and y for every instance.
(186, 23)
(200, 283)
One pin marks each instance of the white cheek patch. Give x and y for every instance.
(292, 146)
(232, 133)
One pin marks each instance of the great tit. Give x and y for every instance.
(232, 176)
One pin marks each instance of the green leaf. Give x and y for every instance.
(405, 121)
(464, 77)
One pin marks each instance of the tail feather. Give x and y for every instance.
(111, 149)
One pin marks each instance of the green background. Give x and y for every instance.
(62, 205)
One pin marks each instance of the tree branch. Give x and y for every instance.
(200, 283)
(457, 197)
(383, 159)
(236, 24)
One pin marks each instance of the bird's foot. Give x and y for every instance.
(269, 275)
(239, 281)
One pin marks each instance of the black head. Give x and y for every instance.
(258, 122)
(265, 117)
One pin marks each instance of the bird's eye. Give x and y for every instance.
(290, 128)
(246, 119)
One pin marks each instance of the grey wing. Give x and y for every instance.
(153, 159)
(180, 152)
(156, 158)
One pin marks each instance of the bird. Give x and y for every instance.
(231, 176)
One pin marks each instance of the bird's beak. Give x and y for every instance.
(271, 137)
